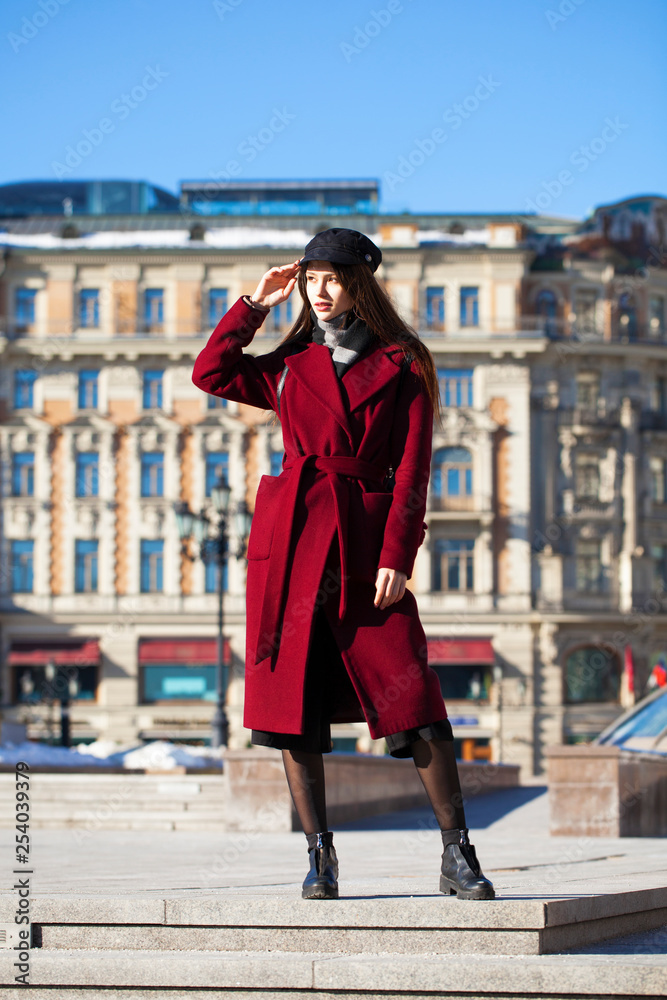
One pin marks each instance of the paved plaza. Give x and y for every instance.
(146, 907)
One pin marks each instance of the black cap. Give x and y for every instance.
(343, 246)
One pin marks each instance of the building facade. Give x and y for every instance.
(541, 579)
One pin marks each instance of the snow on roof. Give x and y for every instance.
(476, 236)
(232, 237)
(228, 237)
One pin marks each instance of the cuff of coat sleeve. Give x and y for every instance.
(252, 305)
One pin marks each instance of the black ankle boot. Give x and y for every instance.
(461, 874)
(321, 882)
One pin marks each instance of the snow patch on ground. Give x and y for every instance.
(160, 755)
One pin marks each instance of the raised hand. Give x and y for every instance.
(276, 285)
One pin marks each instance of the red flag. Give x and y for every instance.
(628, 679)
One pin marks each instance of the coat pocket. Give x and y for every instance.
(264, 518)
(365, 536)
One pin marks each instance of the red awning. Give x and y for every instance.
(460, 651)
(186, 651)
(85, 653)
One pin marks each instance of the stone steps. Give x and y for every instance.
(136, 973)
(120, 802)
(269, 940)
(403, 924)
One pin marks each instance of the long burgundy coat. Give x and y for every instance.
(340, 437)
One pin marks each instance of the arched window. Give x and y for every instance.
(592, 673)
(627, 316)
(547, 309)
(451, 480)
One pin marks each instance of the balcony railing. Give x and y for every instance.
(56, 331)
(574, 337)
(474, 503)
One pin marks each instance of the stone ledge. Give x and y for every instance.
(605, 791)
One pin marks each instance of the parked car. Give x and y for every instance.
(642, 727)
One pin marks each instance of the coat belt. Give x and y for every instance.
(336, 467)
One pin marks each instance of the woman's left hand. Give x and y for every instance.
(389, 587)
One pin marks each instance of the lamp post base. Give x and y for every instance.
(219, 728)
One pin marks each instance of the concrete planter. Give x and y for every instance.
(357, 786)
(604, 791)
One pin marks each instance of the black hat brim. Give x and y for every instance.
(336, 256)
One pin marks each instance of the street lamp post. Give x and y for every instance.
(56, 686)
(197, 525)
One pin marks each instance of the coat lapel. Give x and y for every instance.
(372, 373)
(314, 369)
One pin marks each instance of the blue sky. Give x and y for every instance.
(483, 105)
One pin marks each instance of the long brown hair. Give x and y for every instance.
(373, 305)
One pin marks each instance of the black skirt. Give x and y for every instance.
(326, 676)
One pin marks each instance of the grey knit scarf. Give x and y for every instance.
(346, 343)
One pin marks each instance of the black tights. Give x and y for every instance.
(436, 765)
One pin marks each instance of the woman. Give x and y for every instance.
(332, 632)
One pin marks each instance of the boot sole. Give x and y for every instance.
(320, 892)
(449, 887)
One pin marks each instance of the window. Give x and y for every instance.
(217, 305)
(24, 304)
(23, 474)
(212, 569)
(656, 315)
(152, 474)
(24, 380)
(455, 386)
(658, 468)
(547, 310)
(451, 481)
(21, 566)
(153, 310)
(179, 682)
(586, 477)
(87, 474)
(38, 687)
(217, 468)
(588, 390)
(659, 396)
(88, 378)
(464, 681)
(151, 566)
(280, 316)
(152, 394)
(85, 566)
(453, 564)
(591, 674)
(469, 307)
(627, 316)
(585, 310)
(588, 566)
(435, 308)
(659, 560)
(276, 462)
(89, 308)
(216, 402)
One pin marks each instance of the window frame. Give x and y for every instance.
(88, 383)
(23, 464)
(86, 565)
(25, 566)
(87, 467)
(151, 565)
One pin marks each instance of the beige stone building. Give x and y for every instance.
(542, 572)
